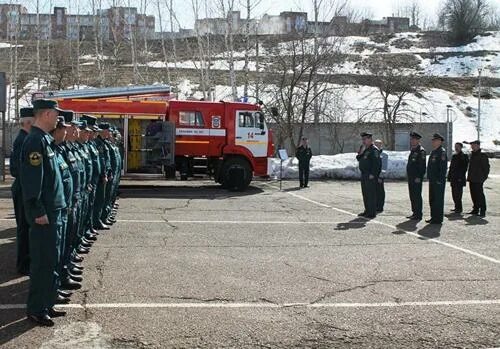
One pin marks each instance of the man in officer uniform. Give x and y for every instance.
(71, 271)
(83, 143)
(43, 196)
(96, 167)
(117, 174)
(456, 175)
(370, 167)
(436, 173)
(104, 181)
(479, 169)
(72, 146)
(26, 119)
(63, 270)
(415, 172)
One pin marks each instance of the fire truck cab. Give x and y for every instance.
(228, 141)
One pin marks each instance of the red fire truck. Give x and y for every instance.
(229, 141)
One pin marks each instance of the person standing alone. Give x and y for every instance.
(456, 176)
(304, 155)
(479, 169)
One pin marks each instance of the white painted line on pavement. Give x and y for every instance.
(14, 281)
(263, 305)
(222, 222)
(440, 242)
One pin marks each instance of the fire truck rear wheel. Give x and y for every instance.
(236, 174)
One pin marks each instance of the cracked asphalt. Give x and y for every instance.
(271, 269)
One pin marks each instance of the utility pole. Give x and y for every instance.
(479, 105)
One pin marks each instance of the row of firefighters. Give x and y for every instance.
(67, 174)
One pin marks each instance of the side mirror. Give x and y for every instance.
(263, 133)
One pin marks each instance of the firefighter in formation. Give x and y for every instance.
(67, 174)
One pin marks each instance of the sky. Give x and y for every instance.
(184, 11)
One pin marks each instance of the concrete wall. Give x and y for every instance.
(335, 138)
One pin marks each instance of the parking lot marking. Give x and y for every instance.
(440, 242)
(223, 222)
(264, 305)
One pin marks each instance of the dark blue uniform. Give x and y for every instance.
(436, 173)
(304, 155)
(105, 167)
(43, 194)
(22, 232)
(370, 166)
(113, 165)
(415, 171)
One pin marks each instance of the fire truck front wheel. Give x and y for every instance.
(236, 174)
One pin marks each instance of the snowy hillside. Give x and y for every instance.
(447, 61)
(362, 103)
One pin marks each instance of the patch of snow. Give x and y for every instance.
(7, 45)
(340, 166)
(94, 57)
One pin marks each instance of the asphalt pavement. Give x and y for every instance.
(190, 265)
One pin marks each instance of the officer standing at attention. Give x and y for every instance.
(304, 155)
(415, 171)
(370, 167)
(75, 167)
(113, 161)
(26, 119)
(380, 185)
(436, 173)
(479, 169)
(44, 201)
(63, 271)
(103, 181)
(456, 176)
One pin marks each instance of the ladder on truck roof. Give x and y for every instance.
(160, 89)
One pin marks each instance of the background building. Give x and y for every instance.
(109, 24)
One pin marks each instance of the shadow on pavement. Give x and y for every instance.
(409, 225)
(13, 290)
(430, 231)
(292, 189)
(356, 223)
(455, 216)
(5, 193)
(13, 323)
(209, 192)
(475, 220)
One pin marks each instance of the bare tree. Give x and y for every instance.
(395, 84)
(163, 46)
(226, 8)
(302, 82)
(99, 55)
(465, 18)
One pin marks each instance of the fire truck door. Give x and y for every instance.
(251, 132)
